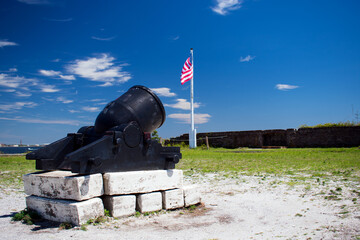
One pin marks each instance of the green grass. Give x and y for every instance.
(26, 216)
(12, 168)
(314, 161)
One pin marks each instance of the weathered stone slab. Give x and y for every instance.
(73, 212)
(173, 199)
(192, 195)
(120, 206)
(149, 202)
(63, 185)
(134, 182)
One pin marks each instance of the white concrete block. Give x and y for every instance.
(119, 206)
(173, 199)
(63, 185)
(149, 202)
(73, 212)
(192, 195)
(134, 182)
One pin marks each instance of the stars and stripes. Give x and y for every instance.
(187, 71)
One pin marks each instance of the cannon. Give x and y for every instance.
(119, 141)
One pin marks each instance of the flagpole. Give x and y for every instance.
(192, 135)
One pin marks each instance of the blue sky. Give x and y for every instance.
(258, 64)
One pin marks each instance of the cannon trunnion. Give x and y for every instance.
(119, 141)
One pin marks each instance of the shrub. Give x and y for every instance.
(26, 216)
(339, 124)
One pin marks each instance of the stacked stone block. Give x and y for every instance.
(63, 196)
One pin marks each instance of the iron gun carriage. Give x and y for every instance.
(120, 140)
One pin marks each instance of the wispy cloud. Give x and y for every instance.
(107, 84)
(24, 86)
(5, 43)
(285, 87)
(101, 103)
(49, 73)
(74, 111)
(96, 100)
(182, 104)
(248, 58)
(14, 81)
(35, 2)
(164, 92)
(52, 73)
(175, 38)
(199, 118)
(67, 77)
(49, 88)
(64, 100)
(100, 69)
(22, 94)
(91, 109)
(7, 90)
(13, 70)
(17, 106)
(41, 121)
(103, 39)
(224, 6)
(59, 20)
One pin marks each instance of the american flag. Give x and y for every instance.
(187, 71)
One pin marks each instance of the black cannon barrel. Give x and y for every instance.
(138, 104)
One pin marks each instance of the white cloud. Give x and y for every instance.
(7, 90)
(49, 88)
(25, 85)
(7, 81)
(73, 111)
(13, 70)
(164, 92)
(64, 100)
(67, 77)
(17, 106)
(248, 58)
(5, 42)
(100, 69)
(10, 81)
(107, 84)
(199, 118)
(52, 73)
(224, 6)
(103, 39)
(91, 109)
(23, 94)
(96, 100)
(182, 104)
(101, 103)
(285, 87)
(49, 73)
(33, 120)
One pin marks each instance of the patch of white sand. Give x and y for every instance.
(235, 208)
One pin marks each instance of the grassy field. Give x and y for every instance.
(313, 162)
(306, 161)
(12, 168)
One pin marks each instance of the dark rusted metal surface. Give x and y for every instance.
(119, 141)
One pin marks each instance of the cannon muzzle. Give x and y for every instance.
(138, 104)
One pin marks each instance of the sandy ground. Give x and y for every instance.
(235, 208)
